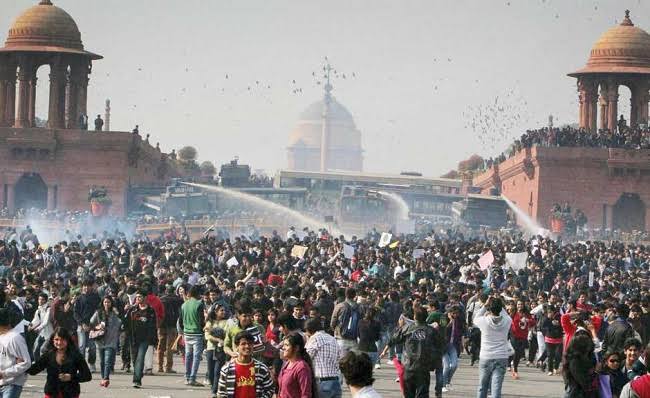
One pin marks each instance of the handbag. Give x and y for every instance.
(96, 334)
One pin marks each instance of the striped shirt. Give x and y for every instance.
(263, 382)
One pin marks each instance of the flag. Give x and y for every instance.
(394, 244)
(298, 251)
(486, 260)
(417, 253)
(385, 239)
(516, 261)
(232, 262)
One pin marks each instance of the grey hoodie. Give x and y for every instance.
(494, 334)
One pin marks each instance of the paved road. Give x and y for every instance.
(532, 383)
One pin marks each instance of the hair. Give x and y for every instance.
(356, 367)
(496, 306)
(578, 361)
(65, 335)
(195, 292)
(296, 341)
(6, 317)
(622, 310)
(43, 295)
(212, 314)
(632, 342)
(244, 335)
(420, 315)
(313, 325)
(350, 293)
(287, 320)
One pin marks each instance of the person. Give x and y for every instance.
(41, 324)
(345, 321)
(639, 388)
(141, 326)
(356, 369)
(154, 302)
(423, 348)
(244, 376)
(552, 332)
(14, 358)
(105, 319)
(84, 307)
(611, 372)
(191, 323)
(521, 324)
(243, 322)
(65, 366)
(631, 349)
(296, 378)
(369, 334)
(214, 334)
(324, 353)
(580, 377)
(619, 330)
(494, 324)
(167, 329)
(454, 337)
(99, 123)
(640, 367)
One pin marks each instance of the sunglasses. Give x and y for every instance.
(614, 361)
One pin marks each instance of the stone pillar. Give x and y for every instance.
(634, 106)
(56, 114)
(582, 120)
(24, 89)
(72, 100)
(612, 107)
(10, 97)
(640, 101)
(82, 90)
(324, 139)
(51, 197)
(4, 77)
(591, 99)
(603, 107)
(32, 100)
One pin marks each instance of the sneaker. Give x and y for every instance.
(196, 384)
(389, 362)
(206, 382)
(187, 382)
(377, 366)
(148, 372)
(137, 385)
(93, 369)
(445, 389)
(449, 387)
(128, 370)
(397, 380)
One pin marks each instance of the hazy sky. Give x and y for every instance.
(424, 70)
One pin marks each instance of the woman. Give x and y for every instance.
(296, 379)
(580, 377)
(272, 333)
(105, 319)
(65, 366)
(611, 376)
(521, 324)
(552, 332)
(214, 331)
(369, 334)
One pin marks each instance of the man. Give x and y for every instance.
(618, 331)
(345, 322)
(423, 346)
(631, 349)
(191, 322)
(357, 371)
(245, 377)
(167, 330)
(640, 367)
(325, 354)
(141, 326)
(41, 324)
(84, 307)
(14, 358)
(454, 337)
(243, 322)
(99, 123)
(154, 302)
(494, 323)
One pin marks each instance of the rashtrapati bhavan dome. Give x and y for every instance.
(326, 138)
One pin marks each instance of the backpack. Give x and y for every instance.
(349, 322)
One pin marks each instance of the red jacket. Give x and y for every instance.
(520, 325)
(154, 302)
(570, 328)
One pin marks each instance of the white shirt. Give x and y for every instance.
(13, 346)
(367, 392)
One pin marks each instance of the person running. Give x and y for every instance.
(65, 366)
(245, 377)
(14, 358)
(141, 326)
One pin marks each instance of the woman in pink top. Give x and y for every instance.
(296, 378)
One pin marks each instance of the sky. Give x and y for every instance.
(435, 81)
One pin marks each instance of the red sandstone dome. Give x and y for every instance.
(45, 28)
(622, 49)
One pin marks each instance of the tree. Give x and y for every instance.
(208, 169)
(472, 163)
(187, 154)
(453, 174)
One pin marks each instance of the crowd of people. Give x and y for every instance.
(288, 316)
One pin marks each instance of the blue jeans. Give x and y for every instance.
(193, 351)
(138, 351)
(10, 391)
(106, 361)
(329, 389)
(219, 360)
(86, 343)
(449, 363)
(374, 356)
(490, 375)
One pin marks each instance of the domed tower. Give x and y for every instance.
(326, 137)
(620, 57)
(44, 35)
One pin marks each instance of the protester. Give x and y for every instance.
(245, 376)
(192, 322)
(215, 332)
(65, 366)
(611, 372)
(167, 329)
(106, 324)
(84, 307)
(345, 321)
(579, 369)
(296, 379)
(15, 358)
(42, 324)
(324, 353)
(494, 323)
(141, 326)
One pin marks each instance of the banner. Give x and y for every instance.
(591, 278)
(385, 239)
(298, 251)
(348, 251)
(417, 253)
(486, 260)
(232, 262)
(516, 261)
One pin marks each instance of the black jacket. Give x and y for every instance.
(617, 332)
(85, 307)
(423, 346)
(172, 304)
(141, 325)
(74, 364)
